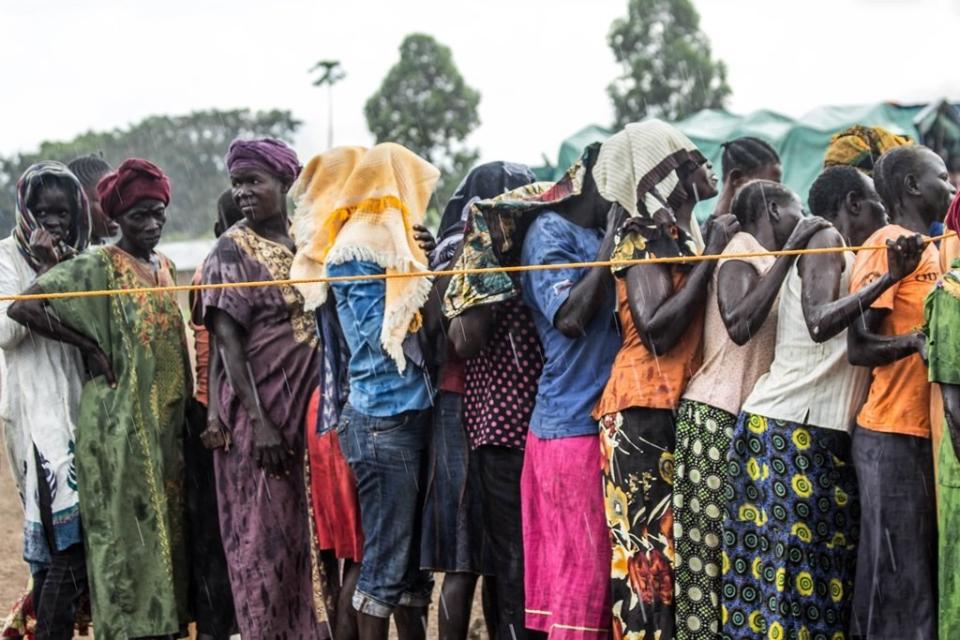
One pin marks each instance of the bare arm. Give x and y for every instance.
(867, 348)
(745, 297)
(216, 434)
(585, 297)
(827, 313)
(470, 330)
(662, 315)
(37, 317)
(270, 452)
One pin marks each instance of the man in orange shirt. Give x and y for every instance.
(895, 594)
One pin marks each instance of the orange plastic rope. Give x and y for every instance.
(451, 272)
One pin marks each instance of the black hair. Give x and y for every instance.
(892, 168)
(89, 169)
(747, 154)
(228, 213)
(753, 197)
(831, 187)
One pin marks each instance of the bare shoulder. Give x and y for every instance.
(825, 239)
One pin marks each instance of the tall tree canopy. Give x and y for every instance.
(425, 105)
(189, 148)
(668, 71)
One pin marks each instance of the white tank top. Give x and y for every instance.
(809, 383)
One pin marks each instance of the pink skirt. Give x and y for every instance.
(333, 492)
(566, 546)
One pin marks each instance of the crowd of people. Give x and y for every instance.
(732, 447)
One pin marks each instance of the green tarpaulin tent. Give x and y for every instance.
(800, 142)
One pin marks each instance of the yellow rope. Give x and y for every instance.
(451, 272)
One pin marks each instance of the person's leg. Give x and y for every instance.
(703, 439)
(456, 602)
(411, 622)
(745, 538)
(58, 590)
(210, 597)
(488, 600)
(812, 528)
(638, 446)
(500, 472)
(64, 585)
(896, 591)
(386, 456)
(345, 627)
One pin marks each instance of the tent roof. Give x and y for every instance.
(801, 142)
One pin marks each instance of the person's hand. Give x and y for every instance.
(269, 451)
(215, 436)
(99, 365)
(920, 344)
(44, 247)
(424, 238)
(903, 255)
(804, 231)
(722, 228)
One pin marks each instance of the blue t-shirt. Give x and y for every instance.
(377, 388)
(576, 370)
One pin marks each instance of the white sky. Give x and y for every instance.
(541, 65)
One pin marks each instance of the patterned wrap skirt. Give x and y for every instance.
(791, 532)
(637, 446)
(703, 440)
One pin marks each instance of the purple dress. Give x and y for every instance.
(263, 521)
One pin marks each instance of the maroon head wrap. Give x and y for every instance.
(134, 180)
(269, 154)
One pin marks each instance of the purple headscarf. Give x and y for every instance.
(269, 154)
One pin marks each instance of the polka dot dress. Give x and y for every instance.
(501, 382)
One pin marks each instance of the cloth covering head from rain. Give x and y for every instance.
(638, 169)
(861, 146)
(483, 182)
(361, 204)
(269, 154)
(33, 179)
(494, 231)
(134, 180)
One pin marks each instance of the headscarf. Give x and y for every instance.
(637, 168)
(134, 180)
(483, 182)
(494, 232)
(639, 165)
(269, 154)
(28, 185)
(861, 146)
(360, 204)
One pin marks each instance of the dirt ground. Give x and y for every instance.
(13, 570)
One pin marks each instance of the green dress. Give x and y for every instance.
(130, 442)
(942, 328)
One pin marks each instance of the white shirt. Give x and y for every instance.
(809, 383)
(40, 386)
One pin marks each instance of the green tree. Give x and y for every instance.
(189, 148)
(425, 105)
(668, 71)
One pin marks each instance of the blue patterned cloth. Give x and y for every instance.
(791, 532)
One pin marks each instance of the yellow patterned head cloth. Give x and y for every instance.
(860, 146)
(354, 203)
